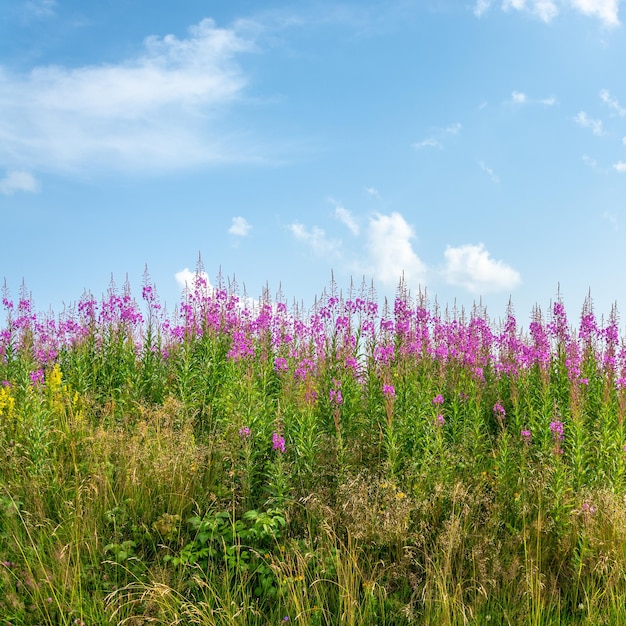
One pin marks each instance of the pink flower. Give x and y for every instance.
(389, 391)
(278, 442)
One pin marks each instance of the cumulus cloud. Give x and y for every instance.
(471, 267)
(346, 218)
(372, 191)
(586, 122)
(187, 279)
(390, 251)
(620, 166)
(545, 10)
(316, 239)
(518, 97)
(239, 227)
(152, 111)
(18, 181)
(607, 11)
(612, 103)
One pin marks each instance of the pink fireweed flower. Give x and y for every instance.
(336, 397)
(389, 391)
(526, 436)
(438, 399)
(499, 411)
(278, 443)
(440, 420)
(556, 428)
(280, 364)
(244, 432)
(37, 378)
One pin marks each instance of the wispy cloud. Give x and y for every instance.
(154, 111)
(471, 267)
(239, 227)
(489, 172)
(390, 251)
(612, 103)
(589, 161)
(432, 142)
(372, 191)
(346, 218)
(18, 181)
(481, 6)
(39, 9)
(620, 166)
(316, 239)
(453, 129)
(519, 97)
(607, 11)
(612, 219)
(427, 143)
(586, 122)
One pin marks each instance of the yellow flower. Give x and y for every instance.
(7, 401)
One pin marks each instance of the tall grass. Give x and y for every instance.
(250, 463)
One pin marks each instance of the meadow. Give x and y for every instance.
(360, 463)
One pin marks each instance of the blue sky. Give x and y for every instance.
(478, 147)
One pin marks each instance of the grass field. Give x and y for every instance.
(240, 463)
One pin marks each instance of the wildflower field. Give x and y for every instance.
(359, 463)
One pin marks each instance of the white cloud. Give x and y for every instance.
(586, 122)
(589, 161)
(372, 191)
(240, 227)
(620, 166)
(427, 143)
(624, 140)
(489, 172)
(453, 129)
(187, 279)
(316, 239)
(519, 97)
(547, 10)
(605, 10)
(153, 111)
(345, 217)
(18, 181)
(481, 6)
(471, 267)
(612, 103)
(390, 251)
(40, 8)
